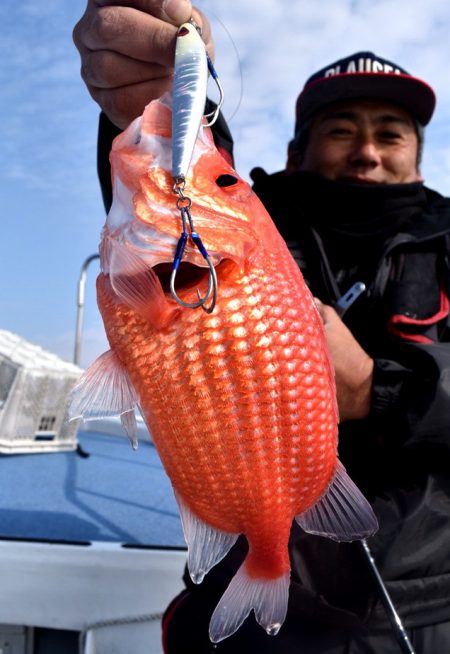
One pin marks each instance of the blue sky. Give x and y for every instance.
(50, 203)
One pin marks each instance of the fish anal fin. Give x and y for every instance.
(206, 545)
(267, 597)
(103, 390)
(342, 514)
(138, 287)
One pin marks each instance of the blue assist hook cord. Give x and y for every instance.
(184, 205)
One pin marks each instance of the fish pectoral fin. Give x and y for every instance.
(267, 597)
(342, 514)
(103, 390)
(206, 545)
(138, 287)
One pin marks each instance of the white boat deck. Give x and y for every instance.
(90, 544)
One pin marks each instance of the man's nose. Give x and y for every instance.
(365, 153)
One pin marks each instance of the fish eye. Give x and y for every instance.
(226, 180)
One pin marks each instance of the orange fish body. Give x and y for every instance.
(241, 402)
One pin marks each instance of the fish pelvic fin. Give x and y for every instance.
(206, 545)
(138, 287)
(342, 514)
(105, 390)
(267, 597)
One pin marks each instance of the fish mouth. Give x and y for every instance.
(189, 276)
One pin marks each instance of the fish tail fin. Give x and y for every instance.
(342, 513)
(267, 597)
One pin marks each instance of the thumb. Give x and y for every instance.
(326, 312)
(177, 11)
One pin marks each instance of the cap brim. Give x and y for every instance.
(411, 93)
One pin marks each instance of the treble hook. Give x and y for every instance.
(195, 238)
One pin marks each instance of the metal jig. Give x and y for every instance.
(189, 96)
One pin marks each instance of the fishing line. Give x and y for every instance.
(217, 20)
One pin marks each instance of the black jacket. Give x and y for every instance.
(400, 455)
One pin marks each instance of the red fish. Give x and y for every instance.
(240, 403)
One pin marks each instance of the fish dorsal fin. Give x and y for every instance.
(137, 285)
(206, 545)
(342, 514)
(105, 390)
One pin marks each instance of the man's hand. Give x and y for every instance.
(353, 366)
(127, 49)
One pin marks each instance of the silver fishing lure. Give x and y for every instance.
(190, 80)
(189, 96)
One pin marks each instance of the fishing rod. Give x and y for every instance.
(396, 622)
(341, 306)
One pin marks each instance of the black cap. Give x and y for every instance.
(364, 75)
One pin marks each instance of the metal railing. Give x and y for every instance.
(80, 306)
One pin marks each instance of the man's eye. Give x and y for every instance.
(340, 131)
(388, 135)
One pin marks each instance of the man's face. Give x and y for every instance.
(364, 142)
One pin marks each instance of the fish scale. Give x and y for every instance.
(241, 402)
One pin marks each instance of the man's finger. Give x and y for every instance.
(326, 312)
(173, 11)
(129, 32)
(122, 105)
(105, 69)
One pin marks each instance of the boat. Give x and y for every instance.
(91, 544)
